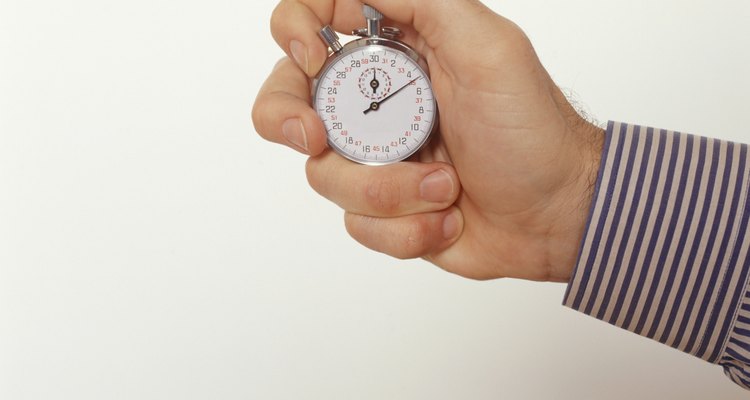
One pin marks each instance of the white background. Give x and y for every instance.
(153, 247)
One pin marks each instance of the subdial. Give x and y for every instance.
(375, 84)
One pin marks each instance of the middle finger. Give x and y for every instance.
(393, 190)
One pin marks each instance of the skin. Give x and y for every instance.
(518, 164)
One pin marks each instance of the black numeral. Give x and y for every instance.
(330, 109)
(338, 125)
(374, 58)
(356, 64)
(332, 90)
(340, 75)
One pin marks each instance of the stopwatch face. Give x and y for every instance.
(376, 103)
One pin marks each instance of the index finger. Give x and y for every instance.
(295, 23)
(282, 111)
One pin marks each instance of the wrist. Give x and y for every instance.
(574, 202)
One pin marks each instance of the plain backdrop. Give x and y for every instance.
(152, 246)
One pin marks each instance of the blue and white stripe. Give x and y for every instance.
(665, 254)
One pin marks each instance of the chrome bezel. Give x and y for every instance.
(358, 45)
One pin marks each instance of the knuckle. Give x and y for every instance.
(365, 230)
(383, 194)
(276, 16)
(479, 276)
(415, 241)
(350, 225)
(403, 242)
(258, 116)
(313, 177)
(518, 43)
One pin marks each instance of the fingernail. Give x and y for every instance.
(294, 132)
(299, 52)
(437, 187)
(452, 225)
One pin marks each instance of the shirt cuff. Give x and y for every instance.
(665, 253)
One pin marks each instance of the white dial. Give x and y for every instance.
(376, 103)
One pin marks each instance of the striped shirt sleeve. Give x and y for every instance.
(665, 252)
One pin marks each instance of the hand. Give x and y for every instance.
(503, 190)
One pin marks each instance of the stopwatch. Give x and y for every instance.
(374, 95)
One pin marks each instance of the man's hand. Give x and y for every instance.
(503, 190)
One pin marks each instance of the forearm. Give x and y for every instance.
(665, 251)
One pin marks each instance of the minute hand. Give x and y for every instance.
(376, 104)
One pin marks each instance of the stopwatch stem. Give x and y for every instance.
(374, 17)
